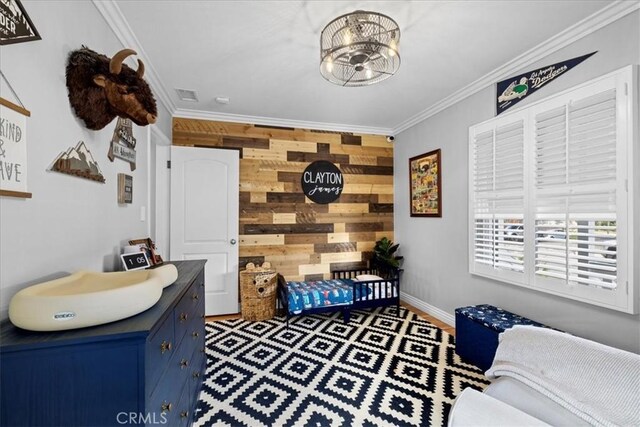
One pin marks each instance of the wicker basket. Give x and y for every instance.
(258, 292)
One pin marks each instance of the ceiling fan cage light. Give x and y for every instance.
(359, 49)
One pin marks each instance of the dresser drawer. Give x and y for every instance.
(165, 405)
(159, 350)
(188, 311)
(194, 338)
(197, 336)
(174, 379)
(195, 294)
(198, 367)
(195, 328)
(185, 407)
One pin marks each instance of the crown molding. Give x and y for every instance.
(590, 24)
(271, 121)
(120, 27)
(162, 139)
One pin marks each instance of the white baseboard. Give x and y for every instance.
(439, 314)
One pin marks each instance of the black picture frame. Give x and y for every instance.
(425, 185)
(23, 29)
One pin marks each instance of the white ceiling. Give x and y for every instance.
(264, 55)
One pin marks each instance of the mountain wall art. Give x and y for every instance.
(78, 161)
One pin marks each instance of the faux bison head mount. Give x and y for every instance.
(101, 89)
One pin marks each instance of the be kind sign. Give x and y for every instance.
(13, 149)
(322, 182)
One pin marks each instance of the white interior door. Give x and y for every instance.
(204, 219)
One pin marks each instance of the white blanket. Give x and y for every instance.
(475, 409)
(599, 384)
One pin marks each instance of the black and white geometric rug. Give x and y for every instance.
(377, 370)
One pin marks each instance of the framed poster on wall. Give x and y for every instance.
(125, 188)
(425, 184)
(16, 25)
(13, 150)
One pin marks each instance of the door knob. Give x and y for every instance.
(232, 241)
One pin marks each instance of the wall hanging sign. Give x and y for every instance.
(322, 182)
(13, 150)
(125, 188)
(123, 144)
(78, 161)
(15, 24)
(426, 185)
(514, 89)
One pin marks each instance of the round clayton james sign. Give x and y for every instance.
(322, 182)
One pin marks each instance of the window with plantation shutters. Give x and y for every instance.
(550, 202)
(498, 200)
(575, 186)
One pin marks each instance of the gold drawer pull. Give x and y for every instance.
(166, 407)
(196, 375)
(183, 317)
(184, 414)
(195, 297)
(165, 346)
(184, 363)
(195, 334)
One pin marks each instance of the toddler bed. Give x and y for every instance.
(347, 290)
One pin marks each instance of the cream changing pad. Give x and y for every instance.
(87, 298)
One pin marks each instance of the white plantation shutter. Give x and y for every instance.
(497, 197)
(589, 255)
(550, 195)
(575, 192)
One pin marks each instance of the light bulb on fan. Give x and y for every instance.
(329, 65)
(368, 73)
(392, 48)
(348, 36)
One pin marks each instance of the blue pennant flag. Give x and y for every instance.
(514, 89)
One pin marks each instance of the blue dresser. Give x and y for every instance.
(144, 370)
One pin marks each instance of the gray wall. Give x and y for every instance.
(436, 249)
(70, 223)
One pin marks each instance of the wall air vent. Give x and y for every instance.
(330, 131)
(187, 95)
(273, 127)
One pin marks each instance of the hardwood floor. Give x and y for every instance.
(223, 317)
(439, 323)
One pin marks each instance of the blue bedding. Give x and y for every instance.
(322, 293)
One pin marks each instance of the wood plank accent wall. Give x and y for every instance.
(303, 240)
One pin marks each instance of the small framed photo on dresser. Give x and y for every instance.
(149, 248)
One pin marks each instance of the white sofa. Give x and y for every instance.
(545, 377)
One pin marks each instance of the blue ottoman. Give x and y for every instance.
(477, 330)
